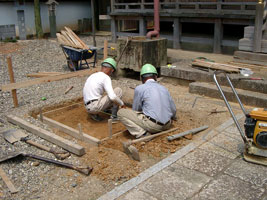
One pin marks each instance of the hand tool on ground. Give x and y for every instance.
(14, 135)
(8, 182)
(215, 111)
(255, 135)
(133, 152)
(84, 170)
(192, 131)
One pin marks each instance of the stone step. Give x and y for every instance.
(191, 75)
(247, 97)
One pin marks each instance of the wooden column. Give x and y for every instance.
(114, 29)
(177, 32)
(105, 49)
(12, 80)
(142, 26)
(93, 20)
(218, 34)
(258, 27)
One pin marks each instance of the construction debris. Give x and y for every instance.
(7, 181)
(69, 38)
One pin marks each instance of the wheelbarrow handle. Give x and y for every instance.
(84, 170)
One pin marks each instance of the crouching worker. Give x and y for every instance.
(153, 107)
(94, 88)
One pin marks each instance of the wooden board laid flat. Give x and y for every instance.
(23, 84)
(8, 182)
(51, 137)
(71, 131)
(43, 74)
(216, 66)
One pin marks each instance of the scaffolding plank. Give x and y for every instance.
(51, 137)
(71, 131)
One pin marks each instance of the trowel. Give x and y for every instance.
(14, 135)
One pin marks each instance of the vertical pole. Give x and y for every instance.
(105, 49)
(217, 38)
(176, 33)
(52, 22)
(142, 26)
(93, 20)
(12, 80)
(110, 128)
(114, 29)
(258, 27)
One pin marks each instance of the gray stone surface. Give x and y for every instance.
(226, 187)
(233, 132)
(246, 97)
(175, 182)
(205, 162)
(137, 194)
(252, 173)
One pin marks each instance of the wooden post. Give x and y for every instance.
(105, 49)
(110, 128)
(217, 38)
(12, 80)
(176, 33)
(114, 29)
(142, 26)
(93, 20)
(258, 27)
(38, 21)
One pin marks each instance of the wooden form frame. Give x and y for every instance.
(51, 137)
(73, 132)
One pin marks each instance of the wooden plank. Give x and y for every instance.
(74, 39)
(105, 49)
(62, 40)
(51, 137)
(77, 38)
(43, 74)
(23, 84)
(8, 182)
(71, 131)
(216, 66)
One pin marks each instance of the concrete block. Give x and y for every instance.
(205, 162)
(246, 97)
(227, 187)
(175, 182)
(248, 172)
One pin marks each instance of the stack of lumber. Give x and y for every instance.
(216, 66)
(68, 38)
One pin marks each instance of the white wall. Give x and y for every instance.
(67, 14)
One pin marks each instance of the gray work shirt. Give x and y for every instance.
(154, 100)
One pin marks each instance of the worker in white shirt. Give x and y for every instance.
(96, 85)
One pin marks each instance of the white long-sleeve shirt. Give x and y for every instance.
(96, 85)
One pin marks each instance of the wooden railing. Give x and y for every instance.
(181, 7)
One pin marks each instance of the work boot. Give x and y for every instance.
(96, 118)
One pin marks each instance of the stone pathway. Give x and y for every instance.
(211, 168)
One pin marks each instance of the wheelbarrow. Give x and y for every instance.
(77, 58)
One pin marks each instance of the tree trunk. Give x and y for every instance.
(38, 22)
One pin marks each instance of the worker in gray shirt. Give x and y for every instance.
(153, 107)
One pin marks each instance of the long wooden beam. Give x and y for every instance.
(23, 84)
(51, 137)
(71, 131)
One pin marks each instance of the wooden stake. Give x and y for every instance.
(69, 89)
(110, 128)
(12, 80)
(105, 49)
(7, 181)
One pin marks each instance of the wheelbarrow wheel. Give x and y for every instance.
(72, 65)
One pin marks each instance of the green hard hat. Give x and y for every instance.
(148, 69)
(110, 61)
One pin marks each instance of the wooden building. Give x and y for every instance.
(218, 24)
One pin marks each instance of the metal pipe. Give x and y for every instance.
(155, 33)
(228, 105)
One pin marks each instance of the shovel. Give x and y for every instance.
(83, 170)
(131, 151)
(14, 135)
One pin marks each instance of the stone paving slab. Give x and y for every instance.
(204, 161)
(175, 182)
(252, 173)
(233, 132)
(137, 194)
(227, 187)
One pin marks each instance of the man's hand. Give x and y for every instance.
(123, 106)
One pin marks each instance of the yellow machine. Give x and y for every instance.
(255, 135)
